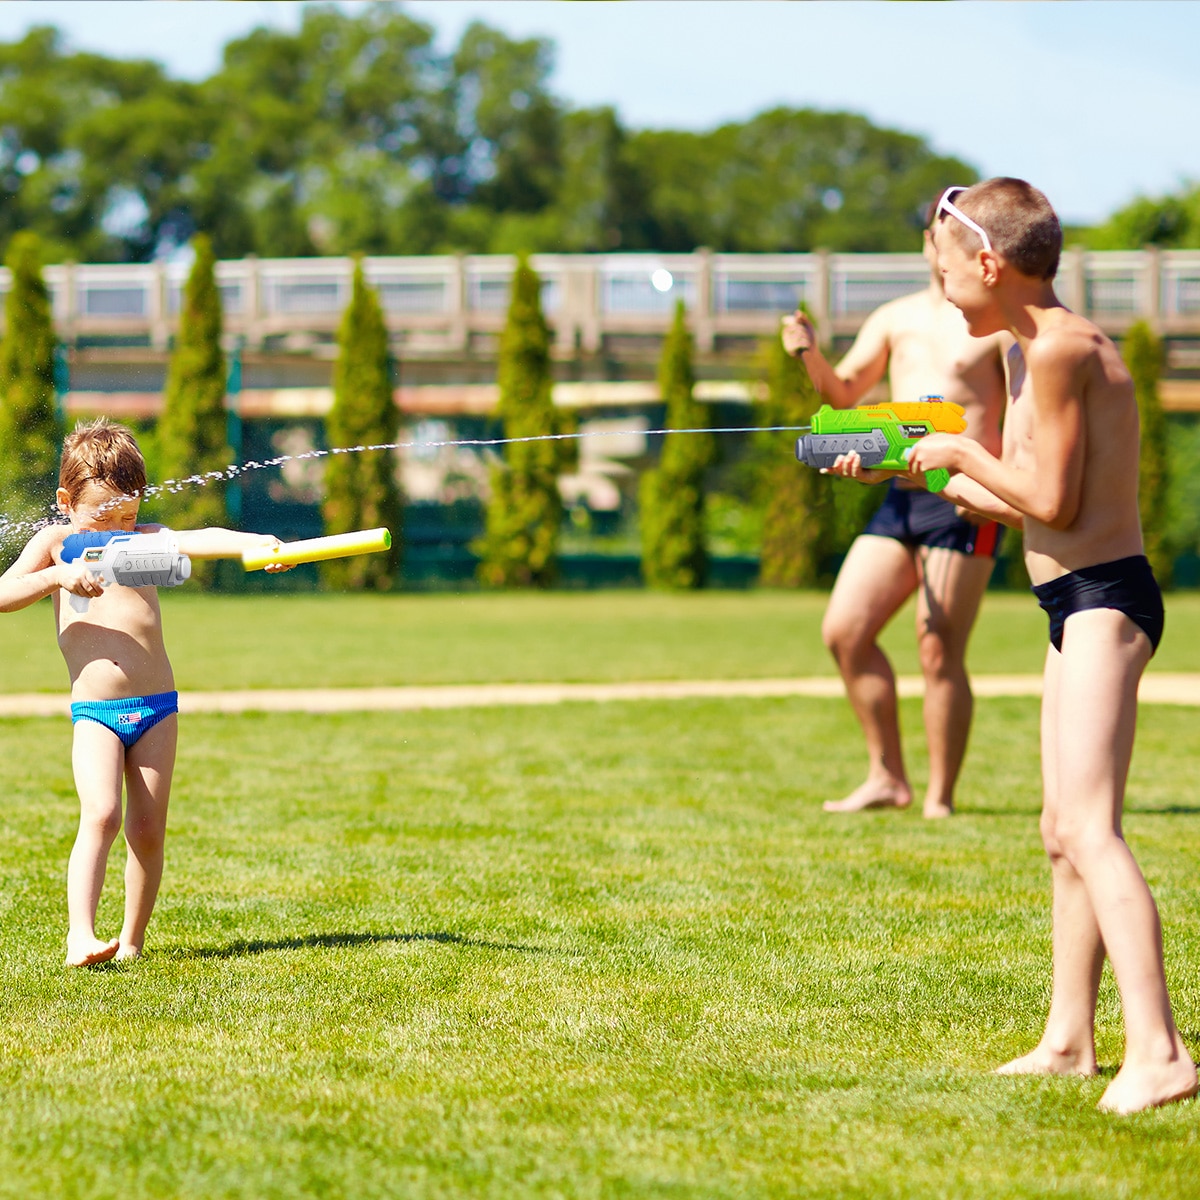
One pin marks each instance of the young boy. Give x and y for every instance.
(1068, 476)
(122, 690)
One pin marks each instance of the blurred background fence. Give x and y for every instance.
(454, 304)
(608, 313)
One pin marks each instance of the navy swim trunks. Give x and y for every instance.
(129, 717)
(920, 518)
(1127, 584)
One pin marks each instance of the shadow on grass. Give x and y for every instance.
(239, 949)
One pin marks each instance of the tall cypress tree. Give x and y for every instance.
(674, 553)
(1143, 354)
(192, 430)
(796, 500)
(361, 491)
(31, 429)
(519, 545)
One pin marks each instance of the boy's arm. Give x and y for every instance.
(1049, 492)
(36, 575)
(964, 492)
(215, 542)
(858, 372)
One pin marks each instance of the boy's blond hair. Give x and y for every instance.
(101, 451)
(1020, 222)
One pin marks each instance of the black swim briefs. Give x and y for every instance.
(1127, 584)
(920, 518)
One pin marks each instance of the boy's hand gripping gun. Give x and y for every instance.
(131, 559)
(319, 549)
(883, 435)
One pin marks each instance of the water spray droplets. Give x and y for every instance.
(172, 487)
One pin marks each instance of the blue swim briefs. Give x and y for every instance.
(128, 717)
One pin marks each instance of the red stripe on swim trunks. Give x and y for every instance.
(986, 539)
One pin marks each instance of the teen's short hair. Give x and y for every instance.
(1020, 222)
(101, 451)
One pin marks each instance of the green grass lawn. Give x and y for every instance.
(354, 641)
(580, 951)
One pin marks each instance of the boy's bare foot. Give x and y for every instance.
(88, 951)
(128, 953)
(936, 811)
(872, 794)
(1043, 1061)
(1135, 1088)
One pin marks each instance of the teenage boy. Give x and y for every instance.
(1068, 476)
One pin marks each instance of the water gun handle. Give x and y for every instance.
(935, 480)
(131, 559)
(74, 546)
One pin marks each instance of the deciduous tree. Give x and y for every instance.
(1171, 221)
(355, 133)
(790, 180)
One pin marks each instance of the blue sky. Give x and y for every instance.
(1095, 101)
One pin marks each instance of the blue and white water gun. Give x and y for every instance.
(130, 559)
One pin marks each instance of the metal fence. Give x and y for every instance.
(441, 303)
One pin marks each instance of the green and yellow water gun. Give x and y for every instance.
(883, 435)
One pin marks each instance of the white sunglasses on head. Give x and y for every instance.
(944, 206)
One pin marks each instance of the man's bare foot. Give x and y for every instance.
(88, 951)
(1135, 1088)
(128, 953)
(1043, 1061)
(872, 795)
(935, 811)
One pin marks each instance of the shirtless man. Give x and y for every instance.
(1068, 475)
(915, 543)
